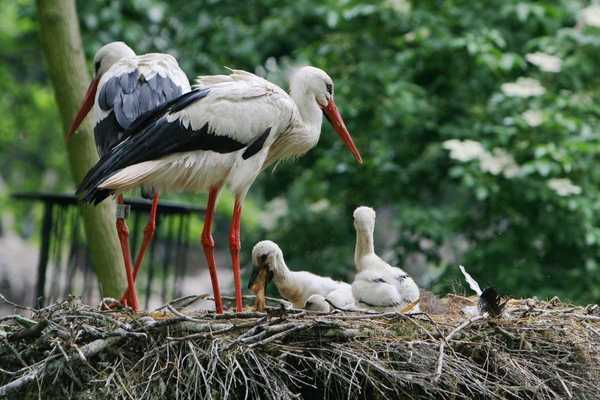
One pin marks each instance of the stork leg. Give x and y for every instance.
(148, 235)
(123, 233)
(234, 247)
(208, 244)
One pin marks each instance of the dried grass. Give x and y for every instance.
(538, 350)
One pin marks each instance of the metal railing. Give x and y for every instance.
(64, 267)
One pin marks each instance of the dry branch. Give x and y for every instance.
(538, 351)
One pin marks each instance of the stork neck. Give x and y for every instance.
(281, 272)
(309, 109)
(364, 243)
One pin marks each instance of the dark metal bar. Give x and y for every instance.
(43, 259)
(67, 271)
(164, 207)
(135, 238)
(179, 267)
(73, 258)
(167, 257)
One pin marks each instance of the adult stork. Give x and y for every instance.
(126, 87)
(224, 132)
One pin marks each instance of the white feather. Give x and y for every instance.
(372, 290)
(472, 282)
(240, 109)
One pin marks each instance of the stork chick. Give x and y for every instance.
(318, 303)
(373, 291)
(378, 284)
(340, 299)
(295, 286)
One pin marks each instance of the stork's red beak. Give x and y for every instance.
(86, 106)
(335, 118)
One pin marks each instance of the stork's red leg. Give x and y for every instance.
(123, 233)
(208, 244)
(234, 247)
(148, 235)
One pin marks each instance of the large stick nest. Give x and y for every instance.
(538, 350)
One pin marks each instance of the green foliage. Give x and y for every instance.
(519, 211)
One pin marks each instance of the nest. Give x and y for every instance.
(537, 350)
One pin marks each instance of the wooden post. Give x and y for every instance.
(65, 60)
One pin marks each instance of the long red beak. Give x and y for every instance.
(335, 118)
(86, 106)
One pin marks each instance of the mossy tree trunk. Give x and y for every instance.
(65, 59)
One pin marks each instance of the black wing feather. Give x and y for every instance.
(155, 137)
(256, 145)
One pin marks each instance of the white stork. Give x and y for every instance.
(374, 290)
(224, 132)
(125, 87)
(318, 303)
(340, 299)
(378, 285)
(296, 286)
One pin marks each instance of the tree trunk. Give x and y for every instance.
(63, 50)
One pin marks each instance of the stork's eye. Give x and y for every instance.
(97, 66)
(329, 88)
(263, 258)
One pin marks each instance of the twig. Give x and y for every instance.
(455, 331)
(183, 316)
(34, 331)
(190, 299)
(89, 350)
(278, 335)
(463, 326)
(24, 322)
(210, 333)
(15, 305)
(567, 391)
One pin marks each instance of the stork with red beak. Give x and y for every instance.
(125, 87)
(224, 132)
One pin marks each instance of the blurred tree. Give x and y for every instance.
(61, 42)
(478, 122)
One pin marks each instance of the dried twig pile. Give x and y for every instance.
(69, 350)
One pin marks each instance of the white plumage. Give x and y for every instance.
(316, 302)
(378, 285)
(124, 89)
(373, 291)
(240, 106)
(224, 132)
(298, 286)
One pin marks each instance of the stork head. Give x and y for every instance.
(104, 58)
(364, 219)
(316, 302)
(314, 83)
(109, 54)
(266, 255)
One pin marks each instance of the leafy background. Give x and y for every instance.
(478, 122)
